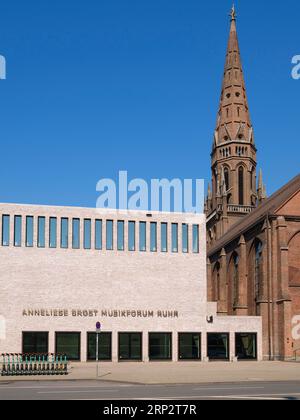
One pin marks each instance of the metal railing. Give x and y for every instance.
(16, 364)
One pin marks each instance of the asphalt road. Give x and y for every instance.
(93, 390)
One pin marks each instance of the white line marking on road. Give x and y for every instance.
(65, 387)
(228, 389)
(77, 392)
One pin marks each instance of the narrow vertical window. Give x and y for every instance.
(174, 237)
(235, 279)
(164, 237)
(53, 232)
(241, 185)
(109, 235)
(76, 234)
(64, 233)
(18, 231)
(87, 234)
(226, 177)
(196, 239)
(5, 230)
(98, 234)
(120, 235)
(41, 232)
(29, 231)
(143, 236)
(153, 237)
(185, 238)
(131, 236)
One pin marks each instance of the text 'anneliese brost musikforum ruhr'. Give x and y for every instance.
(104, 313)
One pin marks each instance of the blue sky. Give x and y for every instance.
(98, 86)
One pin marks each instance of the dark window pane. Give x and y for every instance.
(218, 346)
(41, 232)
(109, 235)
(174, 237)
(76, 234)
(131, 236)
(104, 346)
(120, 236)
(246, 346)
(196, 239)
(87, 234)
(185, 238)
(143, 227)
(69, 344)
(241, 185)
(153, 237)
(64, 238)
(164, 237)
(160, 346)
(53, 232)
(18, 231)
(5, 230)
(130, 346)
(98, 234)
(189, 346)
(35, 342)
(29, 231)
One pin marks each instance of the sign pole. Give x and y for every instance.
(98, 330)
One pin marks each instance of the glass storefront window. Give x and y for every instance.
(189, 346)
(68, 343)
(218, 346)
(35, 342)
(104, 346)
(130, 346)
(160, 346)
(246, 346)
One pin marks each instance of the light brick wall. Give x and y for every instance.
(33, 278)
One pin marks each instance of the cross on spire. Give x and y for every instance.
(233, 13)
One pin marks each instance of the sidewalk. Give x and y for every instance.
(177, 373)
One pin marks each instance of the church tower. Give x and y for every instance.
(233, 192)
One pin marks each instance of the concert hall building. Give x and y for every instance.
(143, 276)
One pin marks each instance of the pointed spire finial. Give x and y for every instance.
(233, 13)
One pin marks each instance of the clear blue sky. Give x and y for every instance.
(99, 86)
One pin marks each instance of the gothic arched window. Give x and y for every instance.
(241, 185)
(258, 267)
(226, 176)
(235, 279)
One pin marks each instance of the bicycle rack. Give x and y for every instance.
(37, 364)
